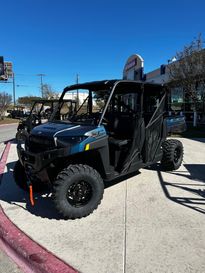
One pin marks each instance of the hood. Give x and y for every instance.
(54, 129)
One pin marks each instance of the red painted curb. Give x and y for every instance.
(37, 258)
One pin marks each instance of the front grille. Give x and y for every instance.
(37, 144)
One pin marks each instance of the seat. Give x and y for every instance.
(118, 142)
(121, 131)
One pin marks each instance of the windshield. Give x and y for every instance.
(88, 110)
(43, 109)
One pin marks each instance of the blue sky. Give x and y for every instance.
(93, 38)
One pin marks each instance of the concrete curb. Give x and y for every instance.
(30, 254)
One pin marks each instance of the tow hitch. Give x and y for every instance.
(30, 186)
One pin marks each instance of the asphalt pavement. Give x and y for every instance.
(7, 132)
(152, 222)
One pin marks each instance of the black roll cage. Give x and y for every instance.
(112, 85)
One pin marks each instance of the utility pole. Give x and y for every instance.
(77, 81)
(41, 78)
(14, 89)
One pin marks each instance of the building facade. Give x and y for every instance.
(179, 102)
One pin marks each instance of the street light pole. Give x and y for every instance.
(14, 89)
(77, 81)
(41, 78)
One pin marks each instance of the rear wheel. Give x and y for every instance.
(78, 191)
(172, 154)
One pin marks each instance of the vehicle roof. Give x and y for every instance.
(96, 85)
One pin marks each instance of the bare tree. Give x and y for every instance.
(48, 92)
(188, 71)
(5, 101)
(27, 101)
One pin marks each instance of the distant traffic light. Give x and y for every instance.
(1, 65)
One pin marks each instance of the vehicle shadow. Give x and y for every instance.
(198, 139)
(12, 194)
(120, 179)
(44, 207)
(196, 198)
(196, 172)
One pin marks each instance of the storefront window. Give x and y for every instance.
(177, 95)
(177, 100)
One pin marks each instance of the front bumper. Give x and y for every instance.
(38, 161)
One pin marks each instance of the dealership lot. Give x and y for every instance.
(152, 222)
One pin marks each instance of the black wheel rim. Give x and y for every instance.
(177, 155)
(79, 194)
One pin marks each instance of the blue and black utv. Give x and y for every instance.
(120, 127)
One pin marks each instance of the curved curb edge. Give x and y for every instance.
(30, 253)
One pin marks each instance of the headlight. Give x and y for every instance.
(64, 141)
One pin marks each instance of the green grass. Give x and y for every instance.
(192, 132)
(8, 121)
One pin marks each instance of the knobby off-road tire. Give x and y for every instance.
(172, 154)
(21, 179)
(78, 191)
(21, 135)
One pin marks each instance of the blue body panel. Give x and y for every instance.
(74, 135)
(49, 129)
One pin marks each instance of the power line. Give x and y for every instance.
(41, 78)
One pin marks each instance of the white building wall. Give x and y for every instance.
(73, 95)
(81, 95)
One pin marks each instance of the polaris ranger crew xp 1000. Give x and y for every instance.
(120, 127)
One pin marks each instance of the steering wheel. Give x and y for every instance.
(35, 118)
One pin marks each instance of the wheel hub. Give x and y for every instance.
(177, 154)
(79, 194)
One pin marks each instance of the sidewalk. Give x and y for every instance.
(153, 222)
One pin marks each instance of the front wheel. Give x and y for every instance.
(21, 179)
(22, 135)
(172, 154)
(78, 191)
(20, 176)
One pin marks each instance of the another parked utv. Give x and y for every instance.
(119, 128)
(40, 113)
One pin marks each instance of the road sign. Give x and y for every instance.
(133, 69)
(6, 69)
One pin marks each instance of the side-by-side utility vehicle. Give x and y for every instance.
(119, 128)
(40, 113)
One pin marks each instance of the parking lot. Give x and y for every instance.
(152, 222)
